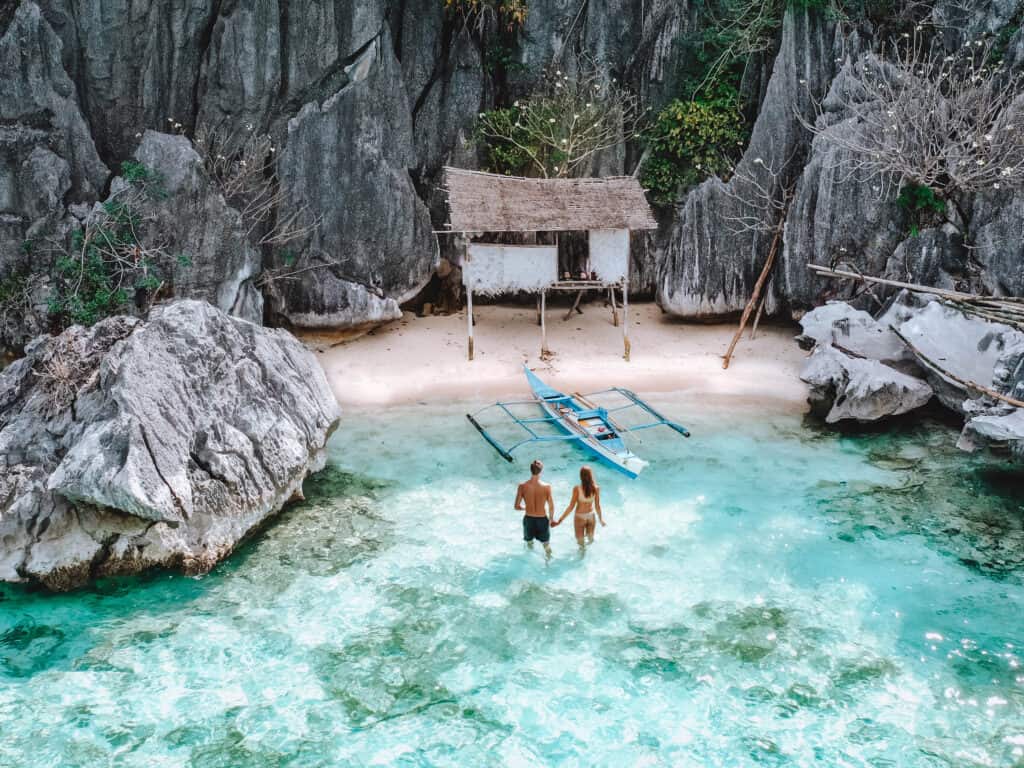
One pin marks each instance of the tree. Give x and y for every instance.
(952, 123)
(557, 130)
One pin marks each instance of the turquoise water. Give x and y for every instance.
(766, 594)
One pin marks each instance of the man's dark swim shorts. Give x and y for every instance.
(536, 528)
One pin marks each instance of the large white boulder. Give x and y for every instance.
(847, 388)
(968, 347)
(839, 324)
(135, 444)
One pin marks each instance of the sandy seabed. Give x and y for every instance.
(423, 359)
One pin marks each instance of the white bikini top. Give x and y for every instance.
(587, 498)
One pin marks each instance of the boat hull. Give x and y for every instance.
(597, 433)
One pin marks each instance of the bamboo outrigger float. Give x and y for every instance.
(579, 420)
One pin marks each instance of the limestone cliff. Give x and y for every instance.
(365, 100)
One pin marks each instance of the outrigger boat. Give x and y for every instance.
(578, 419)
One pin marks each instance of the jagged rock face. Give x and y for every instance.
(999, 242)
(347, 158)
(835, 215)
(367, 99)
(133, 445)
(136, 63)
(211, 256)
(845, 388)
(710, 262)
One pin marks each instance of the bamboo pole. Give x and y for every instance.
(757, 319)
(758, 287)
(625, 318)
(615, 309)
(953, 377)
(892, 283)
(469, 321)
(543, 324)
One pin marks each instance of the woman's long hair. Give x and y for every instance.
(587, 481)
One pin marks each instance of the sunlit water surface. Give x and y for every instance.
(766, 594)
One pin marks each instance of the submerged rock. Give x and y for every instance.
(1001, 431)
(846, 388)
(137, 444)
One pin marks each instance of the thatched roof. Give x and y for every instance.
(488, 202)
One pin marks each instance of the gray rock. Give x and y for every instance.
(709, 264)
(967, 347)
(39, 109)
(132, 445)
(241, 71)
(839, 324)
(210, 256)
(47, 160)
(346, 161)
(1002, 431)
(136, 64)
(998, 226)
(845, 388)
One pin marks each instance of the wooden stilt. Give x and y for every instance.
(625, 318)
(575, 306)
(539, 320)
(469, 320)
(543, 325)
(615, 309)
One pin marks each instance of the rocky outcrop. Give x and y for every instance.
(846, 388)
(968, 347)
(1000, 430)
(134, 444)
(346, 161)
(47, 162)
(854, 330)
(208, 253)
(711, 250)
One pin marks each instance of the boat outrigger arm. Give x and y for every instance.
(528, 423)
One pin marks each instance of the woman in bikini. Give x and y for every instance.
(586, 498)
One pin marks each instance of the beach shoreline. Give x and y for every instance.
(423, 359)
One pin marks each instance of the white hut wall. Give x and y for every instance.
(490, 269)
(609, 254)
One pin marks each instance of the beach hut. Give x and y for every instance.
(485, 204)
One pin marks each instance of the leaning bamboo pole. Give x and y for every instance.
(758, 287)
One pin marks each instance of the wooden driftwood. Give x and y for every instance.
(1008, 310)
(758, 287)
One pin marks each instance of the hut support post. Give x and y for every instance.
(469, 320)
(543, 324)
(625, 318)
(615, 309)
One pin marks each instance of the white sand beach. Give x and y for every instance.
(423, 359)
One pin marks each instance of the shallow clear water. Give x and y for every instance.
(765, 594)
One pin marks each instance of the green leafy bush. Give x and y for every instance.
(922, 203)
(691, 140)
(106, 262)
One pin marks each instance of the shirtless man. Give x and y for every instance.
(534, 497)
